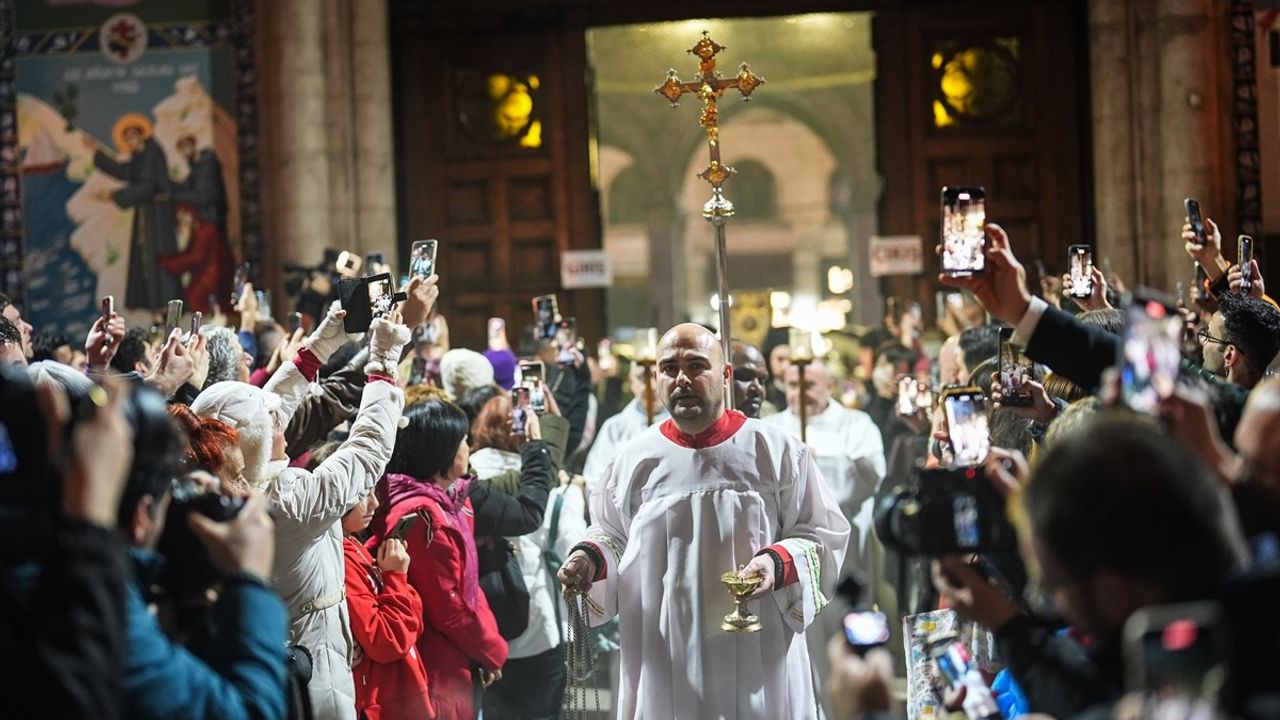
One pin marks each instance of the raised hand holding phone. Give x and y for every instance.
(1002, 287)
(1255, 287)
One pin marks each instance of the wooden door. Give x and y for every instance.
(984, 94)
(493, 162)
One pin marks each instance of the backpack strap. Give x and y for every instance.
(553, 561)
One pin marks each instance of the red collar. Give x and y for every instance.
(720, 430)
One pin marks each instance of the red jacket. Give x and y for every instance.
(457, 637)
(386, 622)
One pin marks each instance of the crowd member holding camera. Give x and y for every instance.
(709, 491)
(309, 506)
(424, 499)
(386, 622)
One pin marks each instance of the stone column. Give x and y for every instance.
(325, 107)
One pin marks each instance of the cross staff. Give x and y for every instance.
(709, 86)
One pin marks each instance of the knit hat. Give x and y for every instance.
(504, 367)
(251, 411)
(461, 370)
(68, 378)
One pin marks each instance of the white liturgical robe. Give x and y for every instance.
(672, 514)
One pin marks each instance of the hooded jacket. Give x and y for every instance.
(459, 635)
(308, 508)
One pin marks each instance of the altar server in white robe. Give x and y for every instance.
(705, 492)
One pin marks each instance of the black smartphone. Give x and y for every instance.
(295, 322)
(1151, 353)
(108, 309)
(521, 404)
(403, 526)
(422, 258)
(1011, 372)
(1181, 647)
(1080, 268)
(964, 237)
(353, 294)
(1203, 292)
(546, 316)
(172, 317)
(1194, 219)
(1244, 256)
(533, 376)
(566, 340)
(197, 319)
(967, 426)
(865, 630)
(237, 286)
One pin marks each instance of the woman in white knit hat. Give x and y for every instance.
(308, 506)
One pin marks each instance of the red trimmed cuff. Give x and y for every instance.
(597, 556)
(376, 377)
(259, 378)
(308, 364)
(784, 566)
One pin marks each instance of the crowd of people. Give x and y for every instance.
(243, 521)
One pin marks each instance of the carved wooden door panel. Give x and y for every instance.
(984, 94)
(492, 136)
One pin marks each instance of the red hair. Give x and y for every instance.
(208, 438)
(492, 428)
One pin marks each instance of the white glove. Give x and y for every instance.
(386, 341)
(329, 336)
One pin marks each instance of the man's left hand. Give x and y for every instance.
(761, 565)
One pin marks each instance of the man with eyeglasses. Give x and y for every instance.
(1242, 339)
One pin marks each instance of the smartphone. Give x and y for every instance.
(497, 333)
(418, 372)
(924, 397)
(1180, 647)
(374, 262)
(1181, 298)
(1080, 267)
(1244, 256)
(566, 340)
(907, 390)
(1151, 353)
(964, 219)
(1203, 293)
(172, 317)
(264, 302)
(381, 294)
(604, 355)
(237, 286)
(953, 660)
(1011, 372)
(1194, 219)
(197, 319)
(521, 402)
(295, 322)
(546, 316)
(422, 258)
(966, 412)
(108, 309)
(865, 630)
(347, 264)
(403, 525)
(533, 376)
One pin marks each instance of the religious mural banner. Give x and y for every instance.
(129, 149)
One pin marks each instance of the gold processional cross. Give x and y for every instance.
(709, 86)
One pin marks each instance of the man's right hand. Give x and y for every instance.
(246, 543)
(1002, 287)
(102, 342)
(577, 572)
(174, 367)
(1206, 251)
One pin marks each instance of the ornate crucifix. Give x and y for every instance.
(709, 86)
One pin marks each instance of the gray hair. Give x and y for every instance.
(225, 354)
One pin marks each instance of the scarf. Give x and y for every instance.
(453, 502)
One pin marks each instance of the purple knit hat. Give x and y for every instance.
(504, 367)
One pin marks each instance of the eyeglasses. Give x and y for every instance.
(1204, 337)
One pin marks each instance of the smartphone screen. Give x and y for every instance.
(295, 322)
(197, 318)
(1194, 219)
(907, 391)
(1176, 647)
(533, 375)
(422, 258)
(865, 630)
(374, 262)
(1080, 267)
(521, 402)
(1012, 371)
(108, 309)
(172, 317)
(566, 340)
(381, 295)
(1202, 285)
(264, 303)
(964, 218)
(497, 333)
(967, 425)
(1244, 256)
(1151, 353)
(546, 315)
(924, 397)
(237, 287)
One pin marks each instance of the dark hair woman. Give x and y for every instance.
(460, 644)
